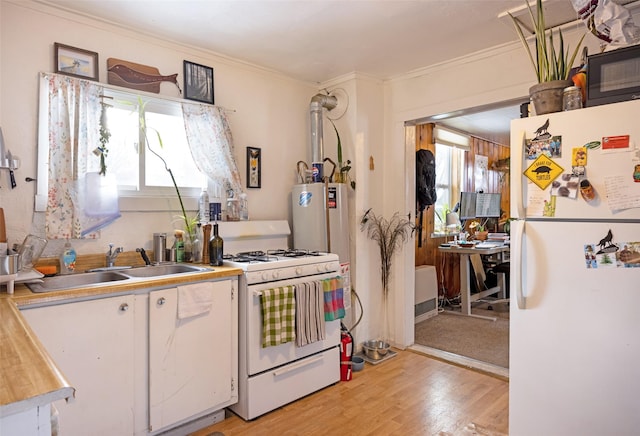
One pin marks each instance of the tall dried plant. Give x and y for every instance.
(390, 236)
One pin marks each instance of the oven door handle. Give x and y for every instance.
(296, 366)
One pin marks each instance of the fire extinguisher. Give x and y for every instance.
(346, 353)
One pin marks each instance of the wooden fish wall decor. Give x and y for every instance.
(137, 76)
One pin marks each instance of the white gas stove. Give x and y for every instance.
(282, 264)
(274, 376)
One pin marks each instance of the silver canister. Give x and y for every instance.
(9, 262)
(159, 247)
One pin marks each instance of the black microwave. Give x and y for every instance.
(613, 76)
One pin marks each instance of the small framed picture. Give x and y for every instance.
(254, 171)
(75, 62)
(198, 82)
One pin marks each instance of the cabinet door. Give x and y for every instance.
(193, 360)
(92, 343)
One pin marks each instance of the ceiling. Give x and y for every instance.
(319, 40)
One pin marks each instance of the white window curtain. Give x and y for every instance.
(211, 144)
(70, 114)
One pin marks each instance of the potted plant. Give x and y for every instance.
(481, 233)
(190, 222)
(551, 65)
(390, 236)
(343, 167)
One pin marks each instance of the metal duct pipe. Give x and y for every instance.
(318, 102)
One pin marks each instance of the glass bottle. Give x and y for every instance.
(216, 250)
(196, 247)
(244, 207)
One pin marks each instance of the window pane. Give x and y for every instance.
(122, 159)
(174, 150)
(443, 178)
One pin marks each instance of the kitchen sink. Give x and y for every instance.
(163, 270)
(70, 281)
(101, 277)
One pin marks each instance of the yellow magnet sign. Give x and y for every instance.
(543, 171)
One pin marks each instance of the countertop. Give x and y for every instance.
(28, 376)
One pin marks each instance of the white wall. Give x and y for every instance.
(271, 112)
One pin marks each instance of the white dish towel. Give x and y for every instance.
(194, 299)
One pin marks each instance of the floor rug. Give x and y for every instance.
(480, 339)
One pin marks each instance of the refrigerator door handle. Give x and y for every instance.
(520, 183)
(516, 262)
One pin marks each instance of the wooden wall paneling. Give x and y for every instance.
(426, 255)
(498, 181)
(447, 266)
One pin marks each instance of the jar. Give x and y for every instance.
(233, 209)
(571, 98)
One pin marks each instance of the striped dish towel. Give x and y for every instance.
(278, 316)
(310, 326)
(333, 298)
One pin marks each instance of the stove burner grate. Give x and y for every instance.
(249, 257)
(293, 252)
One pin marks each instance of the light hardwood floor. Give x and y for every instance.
(410, 394)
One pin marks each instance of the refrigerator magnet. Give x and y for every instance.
(615, 142)
(543, 171)
(579, 156)
(587, 191)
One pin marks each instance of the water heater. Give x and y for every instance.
(320, 218)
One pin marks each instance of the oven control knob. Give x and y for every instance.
(275, 274)
(265, 276)
(298, 271)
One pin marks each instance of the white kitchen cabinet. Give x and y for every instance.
(193, 361)
(92, 344)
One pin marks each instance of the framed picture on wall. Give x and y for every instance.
(254, 171)
(198, 82)
(75, 62)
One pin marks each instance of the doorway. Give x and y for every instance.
(488, 130)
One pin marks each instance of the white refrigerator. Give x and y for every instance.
(575, 273)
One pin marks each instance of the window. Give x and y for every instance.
(69, 184)
(449, 170)
(141, 173)
(450, 154)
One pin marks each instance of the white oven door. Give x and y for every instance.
(260, 359)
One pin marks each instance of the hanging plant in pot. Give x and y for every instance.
(551, 65)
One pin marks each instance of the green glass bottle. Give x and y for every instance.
(216, 248)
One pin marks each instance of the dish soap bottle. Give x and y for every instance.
(216, 250)
(67, 259)
(179, 245)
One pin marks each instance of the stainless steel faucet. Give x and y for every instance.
(112, 254)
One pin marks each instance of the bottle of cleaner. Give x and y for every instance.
(179, 245)
(67, 259)
(203, 204)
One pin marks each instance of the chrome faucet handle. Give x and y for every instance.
(112, 254)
